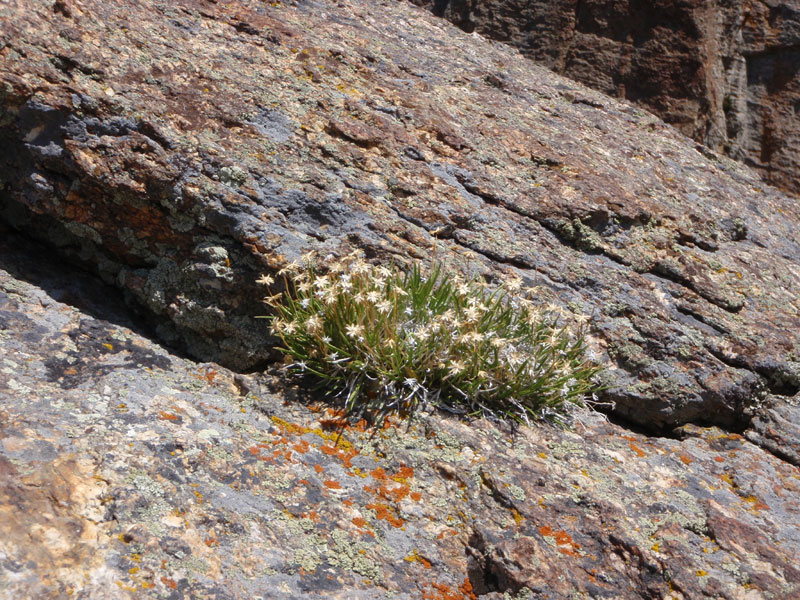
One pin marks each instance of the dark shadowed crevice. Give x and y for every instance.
(65, 282)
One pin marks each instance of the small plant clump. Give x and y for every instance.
(387, 340)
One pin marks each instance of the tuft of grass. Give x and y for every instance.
(387, 340)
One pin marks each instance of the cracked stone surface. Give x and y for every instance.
(130, 472)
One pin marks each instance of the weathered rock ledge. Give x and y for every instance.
(180, 149)
(129, 472)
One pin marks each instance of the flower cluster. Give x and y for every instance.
(391, 340)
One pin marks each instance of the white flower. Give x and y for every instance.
(326, 339)
(265, 280)
(471, 313)
(422, 333)
(514, 285)
(373, 296)
(384, 306)
(313, 324)
(289, 269)
(456, 367)
(305, 302)
(499, 342)
(355, 330)
(360, 267)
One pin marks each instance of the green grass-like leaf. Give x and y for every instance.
(387, 340)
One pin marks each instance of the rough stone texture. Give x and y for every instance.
(180, 148)
(725, 72)
(129, 472)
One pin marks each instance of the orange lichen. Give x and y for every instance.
(346, 456)
(378, 474)
(385, 513)
(641, 453)
(171, 584)
(359, 522)
(318, 468)
(403, 473)
(687, 460)
(332, 485)
(167, 416)
(416, 496)
(301, 446)
(563, 540)
(441, 591)
(415, 556)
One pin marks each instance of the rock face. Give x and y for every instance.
(178, 149)
(180, 152)
(726, 73)
(129, 472)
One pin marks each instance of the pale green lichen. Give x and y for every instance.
(523, 594)
(567, 448)
(307, 559)
(517, 492)
(352, 556)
